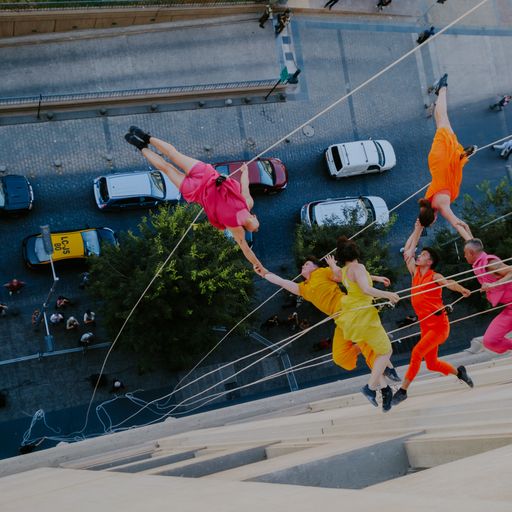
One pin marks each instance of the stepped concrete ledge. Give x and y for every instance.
(50, 490)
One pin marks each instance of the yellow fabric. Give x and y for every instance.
(322, 291)
(345, 353)
(361, 325)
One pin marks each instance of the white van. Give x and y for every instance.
(361, 157)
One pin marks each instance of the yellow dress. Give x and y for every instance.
(361, 325)
(325, 294)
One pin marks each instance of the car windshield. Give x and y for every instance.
(104, 190)
(337, 158)
(222, 169)
(91, 242)
(340, 212)
(380, 151)
(266, 172)
(157, 184)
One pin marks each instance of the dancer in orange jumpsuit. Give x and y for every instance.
(445, 160)
(427, 302)
(320, 287)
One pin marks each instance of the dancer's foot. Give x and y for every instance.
(390, 374)
(442, 82)
(387, 397)
(399, 396)
(141, 134)
(370, 395)
(135, 141)
(462, 375)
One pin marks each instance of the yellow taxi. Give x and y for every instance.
(67, 246)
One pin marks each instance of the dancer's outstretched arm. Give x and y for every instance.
(239, 236)
(279, 281)
(410, 247)
(461, 227)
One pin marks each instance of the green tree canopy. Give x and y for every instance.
(206, 283)
(320, 240)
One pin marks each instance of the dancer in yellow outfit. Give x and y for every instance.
(320, 287)
(359, 319)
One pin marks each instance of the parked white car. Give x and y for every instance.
(341, 211)
(361, 157)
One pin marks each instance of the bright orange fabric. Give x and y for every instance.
(445, 164)
(434, 330)
(325, 294)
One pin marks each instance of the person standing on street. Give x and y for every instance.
(425, 35)
(266, 16)
(498, 289)
(282, 21)
(382, 4)
(503, 102)
(427, 302)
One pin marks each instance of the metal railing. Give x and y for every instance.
(84, 4)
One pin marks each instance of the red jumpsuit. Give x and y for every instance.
(434, 330)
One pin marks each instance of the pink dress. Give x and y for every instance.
(224, 204)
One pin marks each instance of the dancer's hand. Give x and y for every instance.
(485, 287)
(244, 169)
(465, 292)
(392, 297)
(381, 279)
(331, 261)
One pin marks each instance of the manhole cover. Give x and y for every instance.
(308, 131)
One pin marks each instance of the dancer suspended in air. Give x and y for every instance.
(445, 160)
(226, 202)
(427, 302)
(498, 289)
(359, 319)
(320, 287)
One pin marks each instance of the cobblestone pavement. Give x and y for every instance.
(335, 56)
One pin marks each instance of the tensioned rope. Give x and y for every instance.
(316, 116)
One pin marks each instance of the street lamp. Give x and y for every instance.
(48, 247)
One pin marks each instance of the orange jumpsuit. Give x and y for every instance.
(434, 330)
(445, 165)
(325, 295)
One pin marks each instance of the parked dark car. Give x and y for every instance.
(266, 175)
(16, 194)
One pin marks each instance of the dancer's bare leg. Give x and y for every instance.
(441, 110)
(157, 161)
(184, 162)
(377, 375)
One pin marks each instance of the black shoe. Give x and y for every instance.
(442, 82)
(390, 374)
(462, 375)
(370, 395)
(469, 150)
(399, 396)
(141, 134)
(135, 141)
(387, 398)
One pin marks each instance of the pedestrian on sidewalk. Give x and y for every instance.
(72, 323)
(267, 15)
(117, 385)
(505, 148)
(56, 318)
(89, 317)
(382, 4)
(86, 339)
(14, 286)
(331, 3)
(282, 21)
(425, 35)
(503, 102)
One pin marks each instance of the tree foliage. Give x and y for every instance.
(321, 240)
(206, 283)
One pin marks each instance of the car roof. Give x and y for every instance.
(129, 184)
(325, 211)
(360, 152)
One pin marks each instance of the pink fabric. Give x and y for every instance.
(500, 294)
(494, 337)
(221, 203)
